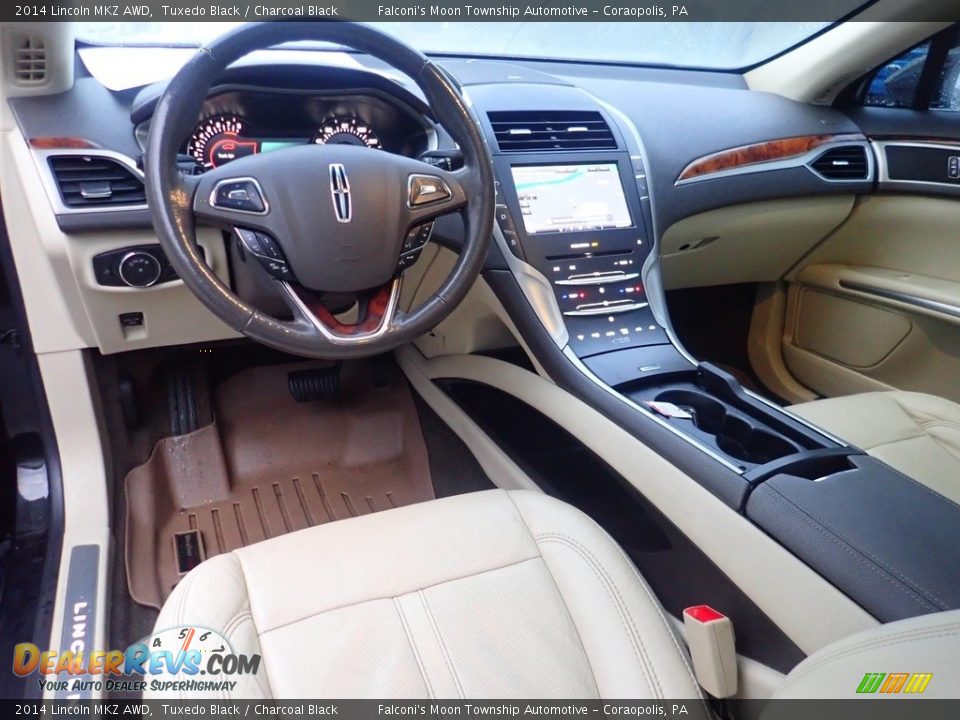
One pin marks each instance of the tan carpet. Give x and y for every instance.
(268, 466)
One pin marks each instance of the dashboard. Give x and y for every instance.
(594, 166)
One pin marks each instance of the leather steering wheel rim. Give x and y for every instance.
(171, 193)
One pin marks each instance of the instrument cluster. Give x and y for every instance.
(244, 122)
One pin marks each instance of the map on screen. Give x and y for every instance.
(570, 198)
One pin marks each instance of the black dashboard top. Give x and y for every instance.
(680, 116)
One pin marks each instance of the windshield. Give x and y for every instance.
(719, 45)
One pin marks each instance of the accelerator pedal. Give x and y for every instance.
(321, 383)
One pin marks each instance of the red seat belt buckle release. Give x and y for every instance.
(712, 649)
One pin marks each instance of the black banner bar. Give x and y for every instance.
(477, 10)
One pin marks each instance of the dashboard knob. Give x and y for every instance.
(139, 269)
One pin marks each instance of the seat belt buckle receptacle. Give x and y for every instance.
(712, 649)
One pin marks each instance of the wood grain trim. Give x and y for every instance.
(374, 309)
(758, 153)
(62, 143)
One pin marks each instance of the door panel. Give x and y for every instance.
(825, 322)
(877, 304)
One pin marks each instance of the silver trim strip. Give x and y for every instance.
(41, 159)
(806, 423)
(650, 272)
(883, 169)
(535, 287)
(598, 278)
(589, 310)
(336, 339)
(906, 298)
(213, 195)
(443, 186)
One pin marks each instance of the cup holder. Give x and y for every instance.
(734, 434)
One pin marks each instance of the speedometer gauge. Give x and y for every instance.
(218, 140)
(346, 131)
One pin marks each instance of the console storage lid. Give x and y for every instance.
(888, 542)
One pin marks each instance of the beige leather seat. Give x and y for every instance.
(488, 595)
(925, 645)
(917, 434)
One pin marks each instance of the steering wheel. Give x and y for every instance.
(320, 218)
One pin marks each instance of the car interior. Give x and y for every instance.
(472, 373)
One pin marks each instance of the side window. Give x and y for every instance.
(894, 85)
(925, 77)
(947, 96)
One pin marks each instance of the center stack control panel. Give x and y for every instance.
(579, 218)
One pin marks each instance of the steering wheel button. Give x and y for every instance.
(424, 233)
(427, 189)
(250, 240)
(278, 268)
(270, 247)
(242, 194)
(411, 240)
(408, 259)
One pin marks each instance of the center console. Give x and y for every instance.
(572, 219)
(573, 212)
(576, 229)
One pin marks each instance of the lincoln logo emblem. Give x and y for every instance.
(340, 189)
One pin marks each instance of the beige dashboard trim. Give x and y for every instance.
(54, 307)
(66, 308)
(811, 611)
(750, 242)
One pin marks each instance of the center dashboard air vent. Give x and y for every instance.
(846, 162)
(551, 130)
(96, 181)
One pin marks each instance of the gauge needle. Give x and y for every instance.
(186, 642)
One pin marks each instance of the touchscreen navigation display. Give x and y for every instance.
(570, 198)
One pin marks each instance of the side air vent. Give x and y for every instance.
(548, 131)
(29, 60)
(847, 162)
(96, 181)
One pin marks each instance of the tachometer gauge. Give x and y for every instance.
(346, 131)
(218, 140)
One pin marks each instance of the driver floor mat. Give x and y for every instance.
(269, 465)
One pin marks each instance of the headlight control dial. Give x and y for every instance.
(139, 269)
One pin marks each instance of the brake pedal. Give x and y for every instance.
(314, 384)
